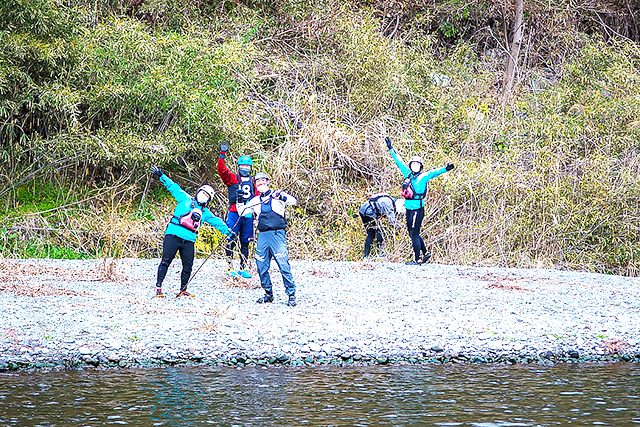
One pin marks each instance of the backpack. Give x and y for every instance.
(373, 202)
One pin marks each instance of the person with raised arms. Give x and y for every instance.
(182, 230)
(269, 208)
(414, 189)
(241, 187)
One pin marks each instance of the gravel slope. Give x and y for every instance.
(62, 313)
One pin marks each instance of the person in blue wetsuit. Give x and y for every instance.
(182, 230)
(414, 189)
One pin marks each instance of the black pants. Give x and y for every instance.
(244, 253)
(171, 245)
(414, 222)
(371, 227)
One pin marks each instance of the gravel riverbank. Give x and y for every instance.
(65, 313)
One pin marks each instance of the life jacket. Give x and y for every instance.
(375, 207)
(270, 220)
(408, 190)
(190, 220)
(248, 188)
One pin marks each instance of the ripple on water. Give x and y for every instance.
(387, 395)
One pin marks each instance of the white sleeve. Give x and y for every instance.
(251, 206)
(290, 199)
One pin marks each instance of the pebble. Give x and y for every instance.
(345, 314)
(315, 347)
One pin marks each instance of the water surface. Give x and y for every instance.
(443, 395)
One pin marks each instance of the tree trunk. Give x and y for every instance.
(516, 42)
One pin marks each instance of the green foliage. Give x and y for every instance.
(92, 93)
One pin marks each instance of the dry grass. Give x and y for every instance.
(503, 282)
(317, 272)
(236, 283)
(14, 278)
(615, 345)
(41, 290)
(209, 327)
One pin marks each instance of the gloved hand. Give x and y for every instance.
(449, 167)
(232, 234)
(388, 141)
(224, 147)
(278, 195)
(156, 171)
(240, 195)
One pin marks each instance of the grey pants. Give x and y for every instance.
(273, 244)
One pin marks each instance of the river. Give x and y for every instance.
(442, 395)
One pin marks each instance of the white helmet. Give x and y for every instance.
(399, 205)
(416, 159)
(206, 189)
(261, 175)
(262, 187)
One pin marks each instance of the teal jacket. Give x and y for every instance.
(184, 205)
(418, 180)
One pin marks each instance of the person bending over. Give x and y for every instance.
(414, 189)
(182, 230)
(378, 206)
(269, 208)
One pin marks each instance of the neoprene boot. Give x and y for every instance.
(292, 300)
(266, 298)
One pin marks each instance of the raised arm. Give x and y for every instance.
(398, 159)
(228, 177)
(178, 193)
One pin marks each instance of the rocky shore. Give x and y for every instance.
(58, 314)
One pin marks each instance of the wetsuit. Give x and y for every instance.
(272, 238)
(242, 226)
(178, 238)
(415, 205)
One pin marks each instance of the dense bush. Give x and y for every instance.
(91, 93)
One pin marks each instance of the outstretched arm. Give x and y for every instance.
(178, 193)
(398, 159)
(215, 222)
(437, 172)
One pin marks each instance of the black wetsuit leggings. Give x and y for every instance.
(414, 222)
(244, 252)
(371, 227)
(171, 245)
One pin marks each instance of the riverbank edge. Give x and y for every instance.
(80, 362)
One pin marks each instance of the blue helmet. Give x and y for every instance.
(245, 161)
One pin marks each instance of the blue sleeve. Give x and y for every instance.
(215, 222)
(178, 193)
(435, 173)
(401, 165)
(421, 182)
